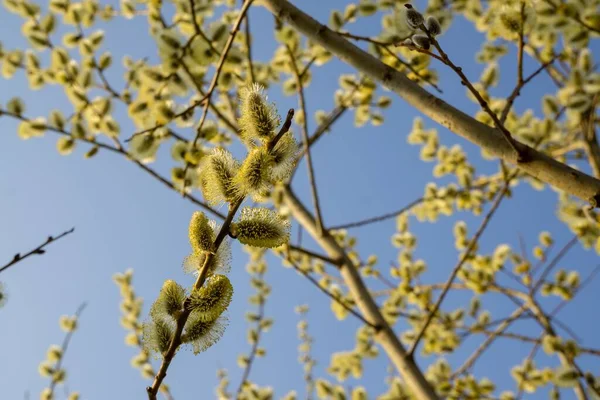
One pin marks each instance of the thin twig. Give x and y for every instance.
(487, 342)
(259, 329)
(322, 289)
(64, 347)
(38, 250)
(312, 254)
(309, 163)
(458, 266)
(213, 83)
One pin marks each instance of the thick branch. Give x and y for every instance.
(385, 336)
(538, 164)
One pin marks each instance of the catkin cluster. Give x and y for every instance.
(222, 178)
(429, 27)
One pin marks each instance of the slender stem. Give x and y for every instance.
(309, 163)
(329, 294)
(312, 254)
(215, 79)
(248, 42)
(468, 364)
(64, 347)
(259, 329)
(38, 250)
(457, 268)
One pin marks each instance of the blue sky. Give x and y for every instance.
(125, 219)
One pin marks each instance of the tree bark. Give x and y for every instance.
(385, 336)
(536, 163)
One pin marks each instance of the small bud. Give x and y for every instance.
(45, 369)
(433, 26)
(284, 157)
(421, 41)
(68, 324)
(414, 19)
(54, 353)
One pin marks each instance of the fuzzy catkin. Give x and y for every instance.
(261, 227)
(216, 177)
(201, 233)
(259, 119)
(414, 19)
(209, 301)
(255, 174)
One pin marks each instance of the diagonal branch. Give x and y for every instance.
(384, 335)
(38, 250)
(457, 268)
(309, 163)
(538, 164)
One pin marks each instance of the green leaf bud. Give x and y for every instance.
(261, 227)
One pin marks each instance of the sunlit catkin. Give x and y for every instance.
(219, 263)
(169, 301)
(255, 174)
(216, 177)
(157, 336)
(201, 233)
(261, 227)
(209, 301)
(259, 119)
(200, 335)
(284, 157)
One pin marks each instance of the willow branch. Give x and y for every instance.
(487, 342)
(215, 79)
(538, 164)
(259, 329)
(309, 163)
(186, 310)
(64, 346)
(457, 268)
(37, 251)
(384, 335)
